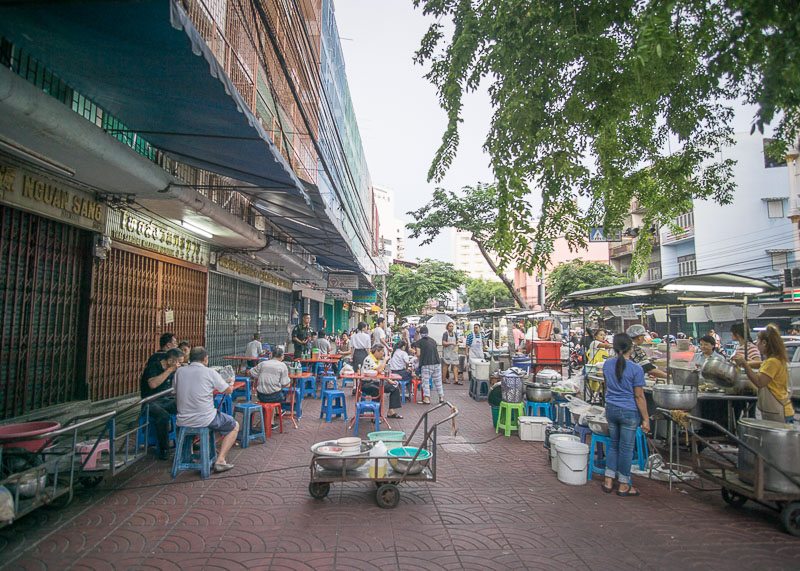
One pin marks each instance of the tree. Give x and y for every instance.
(475, 212)
(589, 97)
(483, 294)
(409, 290)
(578, 275)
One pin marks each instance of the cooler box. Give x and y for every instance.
(480, 370)
(532, 428)
(548, 351)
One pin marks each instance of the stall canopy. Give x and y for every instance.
(671, 291)
(146, 64)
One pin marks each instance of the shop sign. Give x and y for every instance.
(142, 231)
(365, 296)
(343, 281)
(346, 306)
(234, 266)
(53, 200)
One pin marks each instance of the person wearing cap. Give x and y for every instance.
(637, 333)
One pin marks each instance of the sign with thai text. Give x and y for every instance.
(240, 268)
(365, 296)
(140, 230)
(40, 195)
(343, 281)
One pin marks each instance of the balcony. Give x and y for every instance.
(675, 238)
(625, 249)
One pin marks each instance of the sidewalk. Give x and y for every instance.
(497, 505)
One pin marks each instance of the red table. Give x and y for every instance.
(358, 377)
(292, 386)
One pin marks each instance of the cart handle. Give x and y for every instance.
(733, 437)
(424, 416)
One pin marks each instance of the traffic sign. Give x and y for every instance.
(599, 235)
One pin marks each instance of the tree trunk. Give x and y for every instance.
(510, 285)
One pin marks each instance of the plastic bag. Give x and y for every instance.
(227, 373)
(377, 451)
(346, 369)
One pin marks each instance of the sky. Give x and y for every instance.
(398, 112)
(399, 116)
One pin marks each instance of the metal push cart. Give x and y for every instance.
(739, 485)
(326, 470)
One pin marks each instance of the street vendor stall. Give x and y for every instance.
(702, 289)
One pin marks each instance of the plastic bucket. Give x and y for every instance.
(531, 428)
(32, 429)
(553, 452)
(480, 370)
(388, 436)
(495, 413)
(573, 462)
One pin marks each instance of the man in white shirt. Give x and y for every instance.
(273, 377)
(379, 334)
(194, 396)
(254, 350)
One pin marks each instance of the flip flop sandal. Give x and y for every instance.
(628, 492)
(458, 383)
(395, 415)
(608, 490)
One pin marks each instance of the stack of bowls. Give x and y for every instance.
(349, 445)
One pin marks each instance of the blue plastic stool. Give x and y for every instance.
(245, 435)
(562, 415)
(328, 379)
(245, 392)
(478, 390)
(310, 387)
(227, 404)
(183, 454)
(639, 451)
(534, 408)
(333, 404)
(367, 406)
(298, 401)
(152, 437)
(403, 387)
(584, 432)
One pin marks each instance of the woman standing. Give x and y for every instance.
(738, 334)
(450, 353)
(626, 410)
(772, 379)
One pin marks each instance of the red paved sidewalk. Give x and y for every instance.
(497, 506)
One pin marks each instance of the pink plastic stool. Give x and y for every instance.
(86, 446)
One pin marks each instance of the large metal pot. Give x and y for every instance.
(779, 444)
(538, 392)
(743, 385)
(675, 397)
(720, 371)
(597, 424)
(548, 376)
(681, 376)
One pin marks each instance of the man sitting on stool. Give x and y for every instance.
(272, 375)
(194, 395)
(377, 361)
(157, 377)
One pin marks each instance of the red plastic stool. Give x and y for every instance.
(268, 407)
(84, 448)
(415, 383)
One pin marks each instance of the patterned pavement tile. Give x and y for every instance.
(421, 538)
(489, 559)
(479, 537)
(555, 559)
(320, 538)
(463, 514)
(177, 562)
(187, 540)
(234, 561)
(429, 560)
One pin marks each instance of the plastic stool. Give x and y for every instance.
(183, 453)
(298, 401)
(562, 415)
(403, 387)
(584, 432)
(226, 406)
(639, 450)
(85, 449)
(267, 409)
(245, 434)
(415, 384)
(245, 392)
(333, 404)
(367, 406)
(478, 389)
(151, 438)
(506, 418)
(309, 387)
(534, 408)
(328, 379)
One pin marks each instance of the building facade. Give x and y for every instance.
(467, 257)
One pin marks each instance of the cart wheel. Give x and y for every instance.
(61, 501)
(387, 496)
(319, 490)
(733, 499)
(91, 482)
(790, 518)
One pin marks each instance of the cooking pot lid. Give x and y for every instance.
(767, 424)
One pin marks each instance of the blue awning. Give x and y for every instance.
(146, 64)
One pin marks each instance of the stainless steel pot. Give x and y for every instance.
(681, 376)
(778, 443)
(537, 392)
(675, 397)
(548, 376)
(597, 424)
(330, 461)
(743, 385)
(720, 371)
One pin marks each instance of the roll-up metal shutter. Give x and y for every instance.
(43, 278)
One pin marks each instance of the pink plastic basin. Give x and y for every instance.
(27, 429)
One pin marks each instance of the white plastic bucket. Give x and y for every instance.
(532, 427)
(480, 370)
(553, 452)
(573, 462)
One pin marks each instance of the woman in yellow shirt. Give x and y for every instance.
(772, 379)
